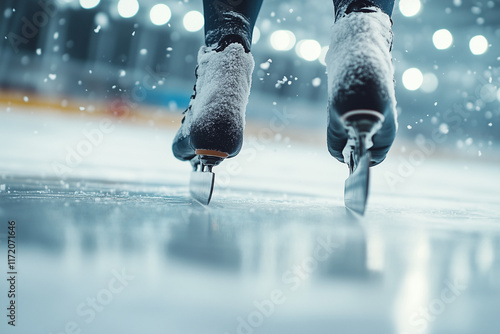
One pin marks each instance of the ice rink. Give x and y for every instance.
(99, 234)
(109, 241)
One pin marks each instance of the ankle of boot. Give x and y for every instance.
(359, 6)
(231, 26)
(227, 40)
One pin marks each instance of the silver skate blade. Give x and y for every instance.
(356, 186)
(201, 186)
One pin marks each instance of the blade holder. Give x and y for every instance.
(361, 126)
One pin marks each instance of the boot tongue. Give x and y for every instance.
(230, 39)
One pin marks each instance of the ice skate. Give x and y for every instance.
(212, 127)
(361, 107)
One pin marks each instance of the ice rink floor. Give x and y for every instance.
(109, 241)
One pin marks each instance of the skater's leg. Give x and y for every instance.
(360, 72)
(230, 17)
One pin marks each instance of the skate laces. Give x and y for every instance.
(193, 96)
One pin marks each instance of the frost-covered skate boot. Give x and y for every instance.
(213, 124)
(361, 80)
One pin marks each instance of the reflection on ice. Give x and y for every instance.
(414, 288)
(243, 266)
(204, 241)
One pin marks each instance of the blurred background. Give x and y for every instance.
(134, 56)
(91, 94)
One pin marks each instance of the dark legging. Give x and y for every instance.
(227, 17)
(385, 5)
(220, 19)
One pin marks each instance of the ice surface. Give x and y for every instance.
(197, 269)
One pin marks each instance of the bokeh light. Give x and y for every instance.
(308, 49)
(88, 4)
(478, 45)
(255, 35)
(160, 14)
(410, 7)
(128, 8)
(413, 79)
(193, 21)
(488, 93)
(322, 55)
(442, 39)
(430, 83)
(283, 40)
(102, 20)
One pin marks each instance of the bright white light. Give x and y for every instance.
(255, 35)
(498, 95)
(160, 14)
(412, 79)
(282, 40)
(430, 83)
(193, 21)
(442, 39)
(322, 55)
(410, 7)
(88, 4)
(128, 8)
(478, 45)
(308, 49)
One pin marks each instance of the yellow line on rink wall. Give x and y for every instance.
(140, 114)
(118, 109)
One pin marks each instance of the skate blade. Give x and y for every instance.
(361, 126)
(201, 183)
(357, 184)
(201, 186)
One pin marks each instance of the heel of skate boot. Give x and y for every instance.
(363, 121)
(212, 153)
(210, 158)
